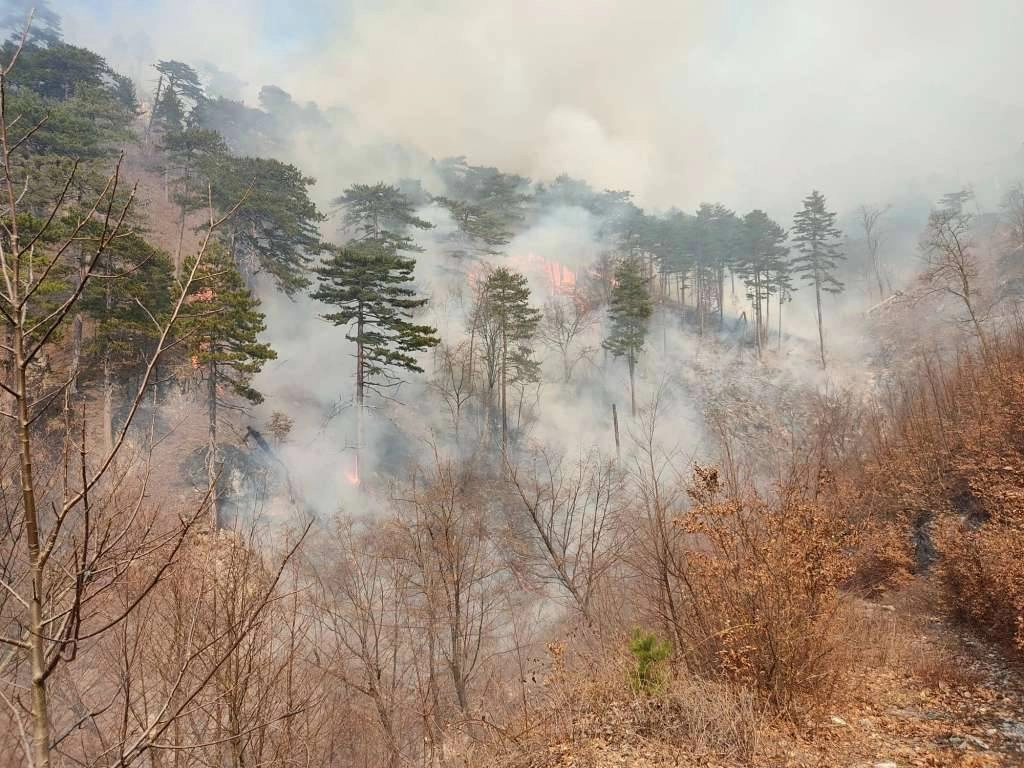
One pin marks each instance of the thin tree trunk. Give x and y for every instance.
(37, 631)
(780, 320)
(360, 395)
(632, 389)
(78, 323)
(108, 402)
(821, 330)
(504, 392)
(211, 449)
(181, 231)
(152, 112)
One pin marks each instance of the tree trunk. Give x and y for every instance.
(504, 392)
(821, 330)
(211, 449)
(757, 312)
(632, 389)
(780, 319)
(360, 394)
(37, 631)
(108, 402)
(152, 112)
(181, 230)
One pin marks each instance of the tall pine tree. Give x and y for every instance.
(762, 256)
(368, 283)
(222, 329)
(507, 323)
(629, 313)
(816, 239)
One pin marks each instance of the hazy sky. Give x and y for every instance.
(753, 102)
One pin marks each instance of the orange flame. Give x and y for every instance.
(559, 277)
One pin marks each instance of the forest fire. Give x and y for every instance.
(558, 277)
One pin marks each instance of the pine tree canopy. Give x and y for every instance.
(368, 282)
(381, 212)
(223, 323)
(505, 312)
(816, 238)
(276, 228)
(629, 312)
(762, 253)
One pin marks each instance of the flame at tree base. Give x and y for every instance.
(351, 475)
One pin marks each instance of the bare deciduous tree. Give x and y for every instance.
(573, 510)
(566, 320)
(952, 265)
(870, 222)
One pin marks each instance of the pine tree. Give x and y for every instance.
(276, 228)
(507, 323)
(382, 213)
(168, 112)
(485, 204)
(135, 289)
(714, 240)
(368, 282)
(187, 150)
(816, 238)
(222, 330)
(629, 313)
(762, 256)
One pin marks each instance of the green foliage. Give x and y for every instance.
(222, 323)
(182, 80)
(381, 212)
(90, 125)
(186, 151)
(507, 324)
(817, 243)
(647, 675)
(629, 313)
(169, 112)
(486, 205)
(675, 242)
(276, 229)
(58, 71)
(127, 299)
(368, 282)
(762, 262)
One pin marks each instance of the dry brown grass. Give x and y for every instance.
(589, 701)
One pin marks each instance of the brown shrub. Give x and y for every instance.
(947, 470)
(760, 593)
(983, 570)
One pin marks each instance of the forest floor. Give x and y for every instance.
(930, 695)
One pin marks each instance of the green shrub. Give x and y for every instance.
(648, 652)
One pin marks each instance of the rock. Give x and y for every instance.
(1013, 729)
(977, 742)
(887, 764)
(838, 720)
(866, 722)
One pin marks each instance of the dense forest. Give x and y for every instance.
(466, 468)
